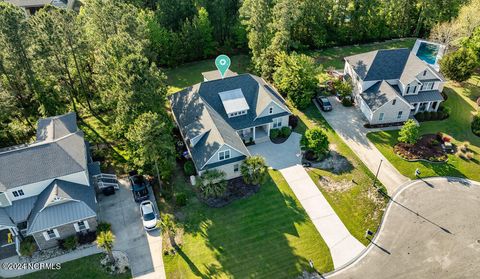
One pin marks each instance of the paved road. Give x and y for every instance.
(442, 241)
(144, 250)
(348, 123)
(343, 246)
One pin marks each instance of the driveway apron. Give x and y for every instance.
(348, 124)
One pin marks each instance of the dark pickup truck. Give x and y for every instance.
(139, 187)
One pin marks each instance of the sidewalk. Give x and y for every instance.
(343, 246)
(73, 255)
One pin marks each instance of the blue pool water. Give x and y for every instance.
(428, 52)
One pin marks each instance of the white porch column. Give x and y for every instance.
(436, 106)
(416, 109)
(428, 106)
(268, 129)
(254, 128)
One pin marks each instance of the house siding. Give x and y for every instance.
(390, 113)
(233, 153)
(228, 169)
(276, 109)
(64, 231)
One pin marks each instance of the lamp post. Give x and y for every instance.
(376, 175)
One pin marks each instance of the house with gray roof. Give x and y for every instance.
(46, 187)
(218, 117)
(32, 6)
(390, 85)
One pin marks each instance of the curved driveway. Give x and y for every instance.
(431, 230)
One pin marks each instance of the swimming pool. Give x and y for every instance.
(428, 52)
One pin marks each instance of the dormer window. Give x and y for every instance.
(425, 73)
(234, 102)
(270, 110)
(18, 193)
(224, 155)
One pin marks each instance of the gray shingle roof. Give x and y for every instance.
(42, 161)
(60, 150)
(425, 96)
(62, 202)
(378, 94)
(199, 111)
(387, 64)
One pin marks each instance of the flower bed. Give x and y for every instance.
(428, 148)
(236, 189)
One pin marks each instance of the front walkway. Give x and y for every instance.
(343, 246)
(348, 123)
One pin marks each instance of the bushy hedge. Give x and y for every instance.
(274, 133)
(69, 243)
(347, 101)
(189, 168)
(285, 132)
(441, 114)
(181, 199)
(476, 125)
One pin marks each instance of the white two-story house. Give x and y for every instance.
(392, 84)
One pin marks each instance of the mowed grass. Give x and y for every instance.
(333, 57)
(84, 268)
(191, 73)
(267, 235)
(360, 207)
(460, 101)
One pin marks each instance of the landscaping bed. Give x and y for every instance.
(278, 136)
(236, 189)
(428, 148)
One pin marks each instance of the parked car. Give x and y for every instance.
(324, 103)
(109, 190)
(149, 216)
(139, 187)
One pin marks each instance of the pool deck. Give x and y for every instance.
(441, 51)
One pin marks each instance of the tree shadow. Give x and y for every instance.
(443, 169)
(192, 265)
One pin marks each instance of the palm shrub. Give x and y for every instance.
(28, 246)
(254, 170)
(316, 140)
(212, 183)
(168, 226)
(69, 243)
(105, 240)
(103, 227)
(409, 132)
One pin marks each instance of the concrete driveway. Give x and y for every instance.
(430, 231)
(348, 123)
(279, 156)
(144, 250)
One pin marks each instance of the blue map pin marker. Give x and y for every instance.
(223, 63)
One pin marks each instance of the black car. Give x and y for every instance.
(324, 103)
(139, 187)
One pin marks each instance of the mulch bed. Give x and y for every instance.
(236, 189)
(427, 148)
(278, 140)
(372, 126)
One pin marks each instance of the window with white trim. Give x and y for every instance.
(18, 193)
(399, 115)
(381, 116)
(270, 110)
(277, 122)
(51, 234)
(81, 226)
(394, 102)
(411, 89)
(223, 155)
(427, 86)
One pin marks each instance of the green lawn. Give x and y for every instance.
(333, 57)
(460, 101)
(359, 207)
(191, 73)
(267, 235)
(84, 268)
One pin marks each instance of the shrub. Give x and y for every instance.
(103, 227)
(189, 168)
(293, 121)
(316, 140)
(69, 243)
(212, 183)
(86, 237)
(409, 132)
(469, 155)
(459, 65)
(476, 125)
(254, 170)
(464, 146)
(428, 115)
(285, 132)
(28, 246)
(440, 136)
(420, 116)
(181, 199)
(274, 133)
(347, 101)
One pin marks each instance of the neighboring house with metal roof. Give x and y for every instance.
(32, 6)
(219, 116)
(390, 85)
(45, 187)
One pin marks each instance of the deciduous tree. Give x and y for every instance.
(409, 132)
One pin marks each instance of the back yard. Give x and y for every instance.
(461, 102)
